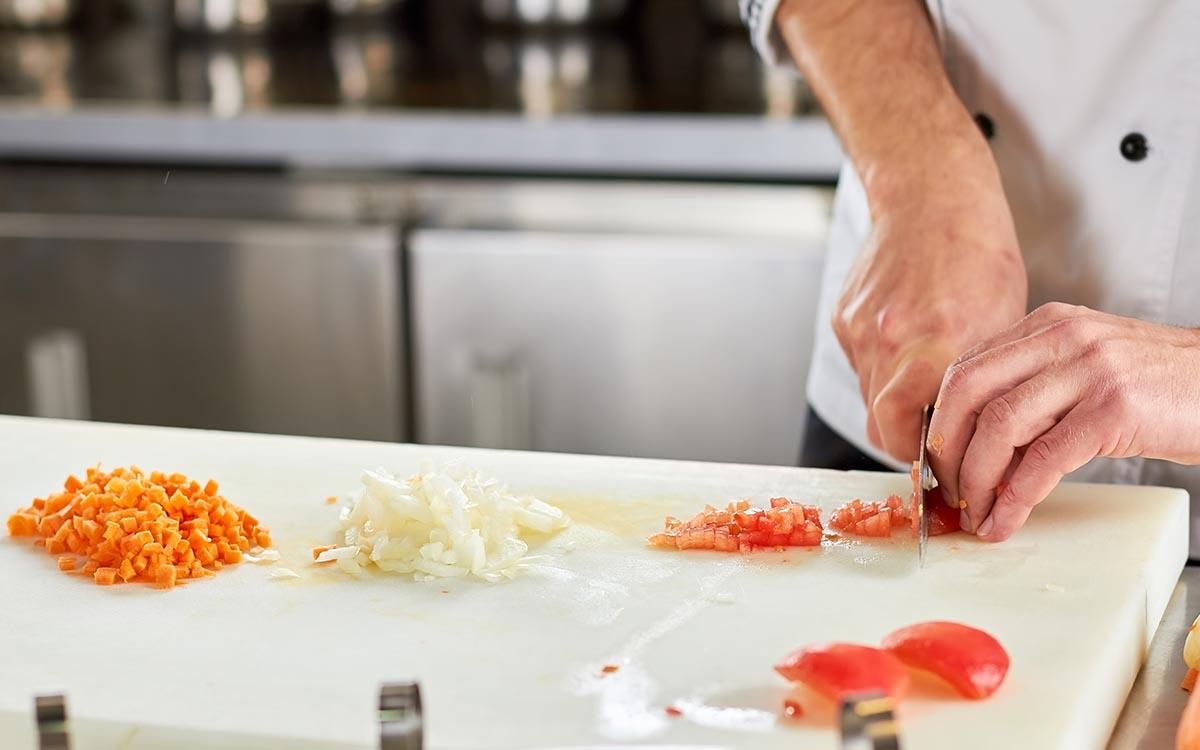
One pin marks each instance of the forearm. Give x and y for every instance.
(875, 67)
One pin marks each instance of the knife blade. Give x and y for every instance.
(925, 483)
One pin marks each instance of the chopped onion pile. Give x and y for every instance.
(446, 522)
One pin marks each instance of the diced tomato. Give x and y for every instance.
(807, 536)
(839, 669)
(972, 661)
(738, 527)
(869, 519)
(942, 518)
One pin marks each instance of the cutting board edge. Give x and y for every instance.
(546, 457)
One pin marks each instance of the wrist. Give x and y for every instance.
(945, 158)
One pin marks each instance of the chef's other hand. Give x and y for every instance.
(1059, 388)
(940, 272)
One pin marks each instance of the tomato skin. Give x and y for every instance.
(972, 661)
(839, 669)
(942, 518)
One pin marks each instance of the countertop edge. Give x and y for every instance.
(717, 146)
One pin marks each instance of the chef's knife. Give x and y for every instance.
(925, 483)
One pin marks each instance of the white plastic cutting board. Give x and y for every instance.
(245, 661)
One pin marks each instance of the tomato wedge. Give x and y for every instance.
(973, 662)
(839, 669)
(740, 528)
(869, 519)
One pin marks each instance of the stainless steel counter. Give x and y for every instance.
(721, 146)
(662, 95)
(1152, 711)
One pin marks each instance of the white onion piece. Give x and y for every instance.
(337, 553)
(445, 522)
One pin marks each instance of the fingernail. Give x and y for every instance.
(985, 528)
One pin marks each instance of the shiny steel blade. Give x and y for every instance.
(924, 484)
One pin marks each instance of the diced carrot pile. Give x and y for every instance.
(870, 519)
(130, 526)
(740, 528)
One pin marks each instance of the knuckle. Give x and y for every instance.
(840, 332)
(843, 334)
(1042, 453)
(1058, 310)
(1101, 359)
(888, 405)
(998, 415)
(1075, 329)
(889, 330)
(957, 378)
(967, 481)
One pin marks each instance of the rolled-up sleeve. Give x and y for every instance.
(759, 17)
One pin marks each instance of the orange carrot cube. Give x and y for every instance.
(164, 576)
(22, 524)
(106, 576)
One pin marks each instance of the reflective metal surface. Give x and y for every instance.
(615, 319)
(1156, 702)
(224, 16)
(537, 12)
(50, 714)
(138, 308)
(868, 722)
(37, 14)
(401, 721)
(414, 55)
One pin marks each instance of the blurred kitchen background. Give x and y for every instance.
(571, 225)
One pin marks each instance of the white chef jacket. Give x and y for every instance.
(1094, 113)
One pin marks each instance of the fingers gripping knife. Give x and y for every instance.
(869, 723)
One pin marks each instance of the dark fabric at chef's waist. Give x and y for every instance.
(823, 448)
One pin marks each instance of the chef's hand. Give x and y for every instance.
(1041, 399)
(940, 272)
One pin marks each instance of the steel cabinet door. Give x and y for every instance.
(241, 325)
(666, 346)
